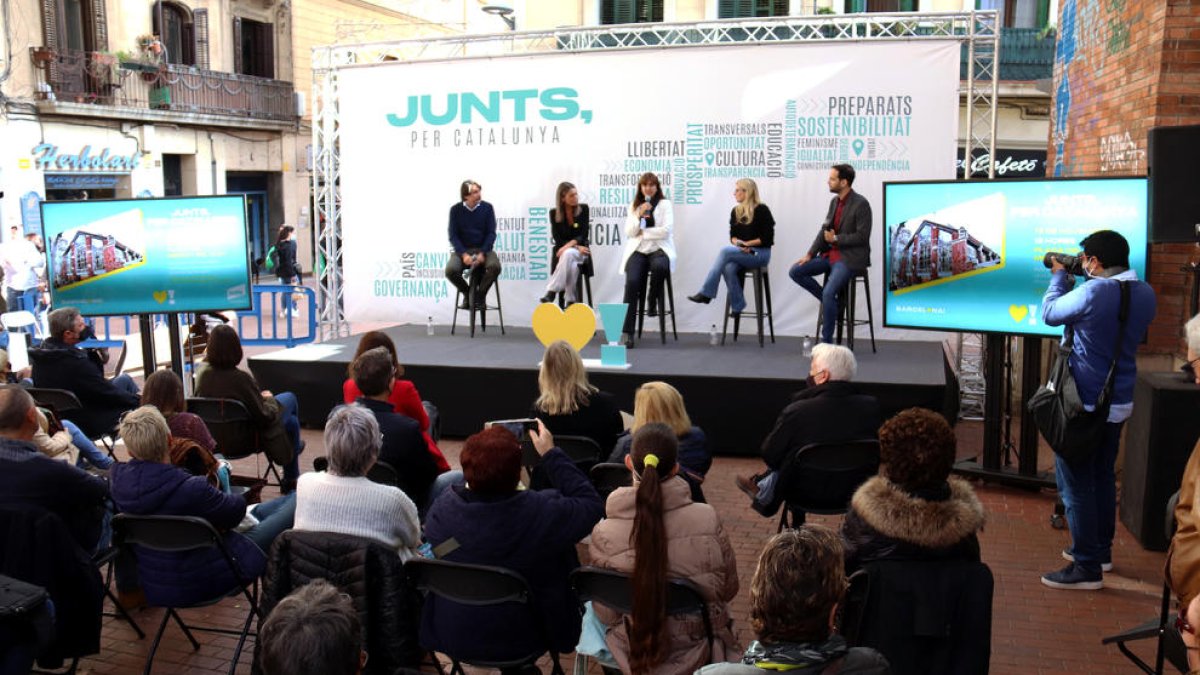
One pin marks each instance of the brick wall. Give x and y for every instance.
(1122, 68)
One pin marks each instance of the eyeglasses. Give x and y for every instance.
(1189, 368)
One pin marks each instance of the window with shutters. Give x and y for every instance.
(881, 5)
(177, 32)
(630, 11)
(75, 24)
(743, 9)
(253, 47)
(1019, 13)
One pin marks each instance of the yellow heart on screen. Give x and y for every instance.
(576, 325)
(160, 297)
(1018, 312)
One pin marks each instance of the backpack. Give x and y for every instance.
(272, 259)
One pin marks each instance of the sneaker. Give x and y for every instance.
(1072, 578)
(1066, 554)
(748, 485)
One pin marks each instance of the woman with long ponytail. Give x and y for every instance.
(655, 532)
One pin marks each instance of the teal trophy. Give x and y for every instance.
(612, 315)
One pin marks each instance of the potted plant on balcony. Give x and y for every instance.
(147, 60)
(41, 55)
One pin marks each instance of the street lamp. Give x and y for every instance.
(504, 12)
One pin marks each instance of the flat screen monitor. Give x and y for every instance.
(146, 256)
(967, 255)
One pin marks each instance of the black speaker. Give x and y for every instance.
(1171, 153)
(1159, 438)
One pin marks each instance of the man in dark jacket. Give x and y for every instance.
(27, 477)
(61, 364)
(840, 249)
(404, 447)
(472, 235)
(828, 410)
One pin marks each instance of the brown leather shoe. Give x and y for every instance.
(748, 485)
(131, 600)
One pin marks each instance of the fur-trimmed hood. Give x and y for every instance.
(893, 512)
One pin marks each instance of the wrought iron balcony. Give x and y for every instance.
(98, 78)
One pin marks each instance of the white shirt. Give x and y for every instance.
(23, 264)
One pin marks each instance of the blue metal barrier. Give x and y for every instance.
(251, 324)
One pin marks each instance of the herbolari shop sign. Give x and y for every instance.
(47, 157)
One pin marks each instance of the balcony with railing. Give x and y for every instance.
(69, 81)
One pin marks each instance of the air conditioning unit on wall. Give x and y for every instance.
(301, 106)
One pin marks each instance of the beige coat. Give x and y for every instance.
(697, 550)
(1183, 557)
(58, 446)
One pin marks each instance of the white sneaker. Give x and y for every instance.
(1104, 567)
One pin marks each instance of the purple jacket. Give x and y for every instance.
(530, 532)
(181, 579)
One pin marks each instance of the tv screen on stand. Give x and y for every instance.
(147, 256)
(967, 255)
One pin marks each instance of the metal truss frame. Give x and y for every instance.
(978, 32)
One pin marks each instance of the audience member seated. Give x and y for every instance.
(490, 521)
(794, 598)
(655, 531)
(660, 403)
(568, 404)
(404, 397)
(344, 500)
(914, 509)
(277, 416)
(1190, 615)
(313, 631)
(1183, 556)
(828, 410)
(164, 390)
(60, 364)
(148, 485)
(29, 478)
(404, 447)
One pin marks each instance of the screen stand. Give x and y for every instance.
(146, 326)
(176, 344)
(992, 468)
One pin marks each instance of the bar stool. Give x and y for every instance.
(472, 285)
(582, 283)
(662, 309)
(846, 311)
(762, 289)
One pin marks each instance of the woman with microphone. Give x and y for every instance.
(649, 249)
(569, 227)
(751, 235)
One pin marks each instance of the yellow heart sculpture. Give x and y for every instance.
(160, 297)
(576, 325)
(1018, 312)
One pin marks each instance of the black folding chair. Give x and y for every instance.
(608, 476)
(105, 560)
(179, 534)
(614, 590)
(1168, 643)
(231, 427)
(582, 450)
(822, 477)
(382, 472)
(66, 405)
(479, 586)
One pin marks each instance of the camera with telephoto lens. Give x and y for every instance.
(1073, 263)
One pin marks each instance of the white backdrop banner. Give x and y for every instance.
(700, 118)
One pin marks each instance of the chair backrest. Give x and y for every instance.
(608, 476)
(614, 589)
(229, 423)
(383, 473)
(165, 533)
(61, 401)
(22, 318)
(474, 585)
(924, 616)
(822, 477)
(18, 352)
(582, 450)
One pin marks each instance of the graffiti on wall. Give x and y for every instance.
(1119, 154)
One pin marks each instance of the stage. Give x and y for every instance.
(733, 392)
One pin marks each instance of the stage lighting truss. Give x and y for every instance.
(977, 31)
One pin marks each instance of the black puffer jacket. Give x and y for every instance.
(370, 573)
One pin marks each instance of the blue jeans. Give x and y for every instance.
(839, 275)
(440, 485)
(88, 452)
(125, 383)
(274, 517)
(22, 299)
(729, 265)
(286, 298)
(1089, 491)
(291, 425)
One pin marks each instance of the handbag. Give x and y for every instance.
(1070, 430)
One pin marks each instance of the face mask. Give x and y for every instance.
(87, 334)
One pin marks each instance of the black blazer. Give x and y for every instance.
(405, 449)
(854, 236)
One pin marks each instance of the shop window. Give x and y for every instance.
(630, 11)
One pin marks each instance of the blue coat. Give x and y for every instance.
(530, 532)
(181, 579)
(1092, 311)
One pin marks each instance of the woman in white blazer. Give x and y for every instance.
(649, 249)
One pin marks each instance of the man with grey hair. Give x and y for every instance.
(27, 477)
(344, 500)
(60, 364)
(828, 410)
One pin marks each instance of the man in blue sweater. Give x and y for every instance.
(1088, 486)
(472, 234)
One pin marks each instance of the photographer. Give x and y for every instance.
(1088, 486)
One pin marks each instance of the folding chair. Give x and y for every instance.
(382, 472)
(105, 560)
(822, 477)
(608, 476)
(582, 450)
(231, 427)
(614, 590)
(179, 534)
(23, 320)
(479, 586)
(67, 406)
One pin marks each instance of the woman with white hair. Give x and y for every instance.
(344, 500)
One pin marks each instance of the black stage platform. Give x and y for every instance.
(733, 392)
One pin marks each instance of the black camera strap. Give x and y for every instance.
(1105, 397)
